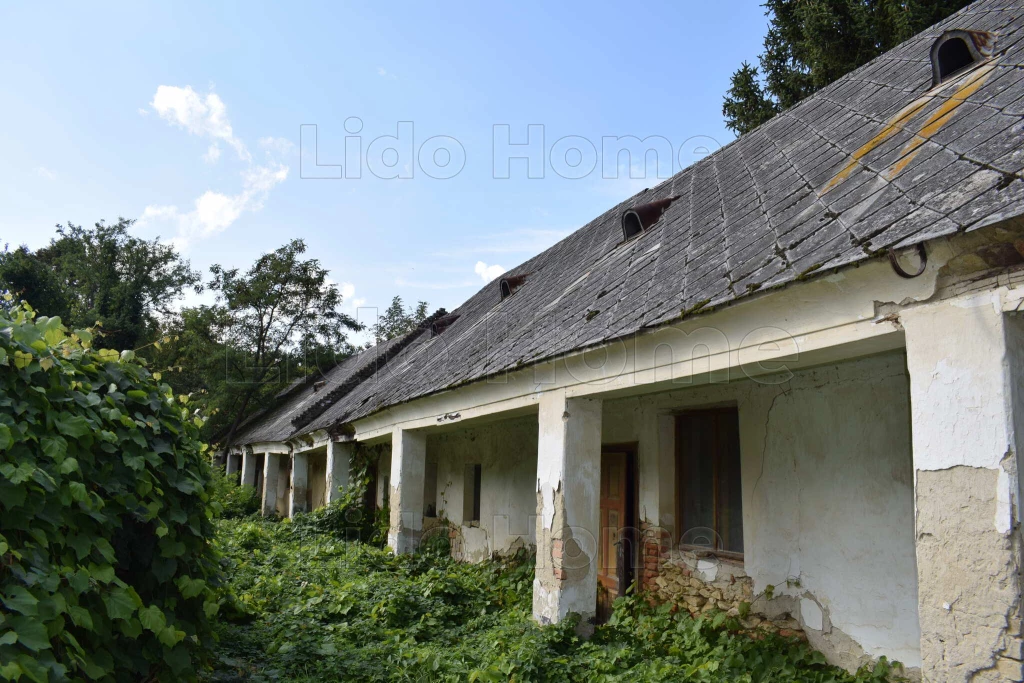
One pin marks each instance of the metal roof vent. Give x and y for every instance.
(642, 216)
(956, 50)
(442, 324)
(508, 285)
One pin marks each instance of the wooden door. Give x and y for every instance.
(612, 578)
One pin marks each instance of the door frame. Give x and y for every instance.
(628, 575)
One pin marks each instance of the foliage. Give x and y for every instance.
(397, 319)
(312, 606)
(281, 311)
(278, 321)
(106, 567)
(230, 500)
(101, 274)
(747, 105)
(811, 43)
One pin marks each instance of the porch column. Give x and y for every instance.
(568, 489)
(966, 358)
(249, 467)
(408, 466)
(271, 480)
(230, 462)
(339, 457)
(299, 484)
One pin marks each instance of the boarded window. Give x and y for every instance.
(708, 490)
(471, 494)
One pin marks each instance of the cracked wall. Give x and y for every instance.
(970, 587)
(827, 480)
(965, 360)
(568, 479)
(507, 453)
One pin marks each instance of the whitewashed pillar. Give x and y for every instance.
(271, 480)
(339, 462)
(408, 467)
(569, 479)
(230, 463)
(965, 357)
(249, 467)
(299, 484)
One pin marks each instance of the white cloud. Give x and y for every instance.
(213, 211)
(384, 73)
(143, 111)
(486, 272)
(44, 172)
(348, 294)
(272, 145)
(212, 154)
(202, 116)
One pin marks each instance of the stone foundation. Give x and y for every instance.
(705, 584)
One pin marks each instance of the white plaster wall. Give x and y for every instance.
(827, 489)
(507, 453)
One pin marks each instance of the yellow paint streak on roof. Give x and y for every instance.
(940, 118)
(933, 125)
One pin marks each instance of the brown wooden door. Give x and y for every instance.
(614, 518)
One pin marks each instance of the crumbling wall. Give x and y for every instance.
(828, 516)
(507, 453)
(970, 611)
(965, 359)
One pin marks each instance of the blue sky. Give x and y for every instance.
(188, 117)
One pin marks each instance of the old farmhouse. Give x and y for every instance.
(787, 382)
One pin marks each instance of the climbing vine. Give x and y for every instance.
(106, 566)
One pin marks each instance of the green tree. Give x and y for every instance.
(397, 319)
(279, 319)
(24, 276)
(101, 274)
(746, 104)
(811, 43)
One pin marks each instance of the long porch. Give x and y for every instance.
(863, 494)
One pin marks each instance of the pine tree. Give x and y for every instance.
(811, 43)
(746, 104)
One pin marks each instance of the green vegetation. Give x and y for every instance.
(397, 319)
(273, 323)
(311, 606)
(107, 571)
(811, 43)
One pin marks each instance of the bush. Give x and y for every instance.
(231, 501)
(347, 517)
(309, 606)
(106, 566)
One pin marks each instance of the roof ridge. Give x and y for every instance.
(334, 395)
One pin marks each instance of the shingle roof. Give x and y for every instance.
(276, 422)
(878, 159)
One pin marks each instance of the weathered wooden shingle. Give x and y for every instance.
(878, 159)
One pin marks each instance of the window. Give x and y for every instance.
(471, 494)
(708, 491)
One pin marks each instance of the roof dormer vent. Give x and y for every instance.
(643, 216)
(508, 285)
(954, 51)
(318, 385)
(442, 324)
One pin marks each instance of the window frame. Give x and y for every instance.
(704, 551)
